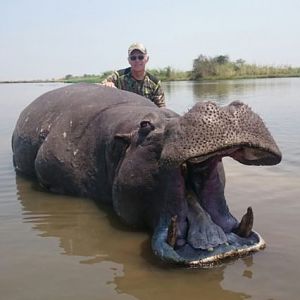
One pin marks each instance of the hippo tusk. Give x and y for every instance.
(245, 227)
(161, 248)
(172, 232)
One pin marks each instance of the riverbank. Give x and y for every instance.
(205, 68)
(98, 79)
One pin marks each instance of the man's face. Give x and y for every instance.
(138, 60)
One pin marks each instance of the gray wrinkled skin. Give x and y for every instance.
(148, 163)
(219, 128)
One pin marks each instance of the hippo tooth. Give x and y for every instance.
(245, 227)
(171, 239)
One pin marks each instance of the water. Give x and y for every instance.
(58, 247)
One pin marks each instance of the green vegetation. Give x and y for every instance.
(206, 68)
(220, 67)
(91, 78)
(166, 74)
(170, 74)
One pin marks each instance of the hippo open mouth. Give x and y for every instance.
(199, 229)
(207, 232)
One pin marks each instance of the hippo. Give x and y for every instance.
(157, 169)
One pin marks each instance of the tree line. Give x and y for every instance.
(206, 68)
(221, 67)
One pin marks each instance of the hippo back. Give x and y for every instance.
(70, 132)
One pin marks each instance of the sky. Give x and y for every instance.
(50, 39)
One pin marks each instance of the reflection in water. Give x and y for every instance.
(225, 91)
(83, 232)
(182, 94)
(82, 228)
(96, 236)
(248, 263)
(219, 91)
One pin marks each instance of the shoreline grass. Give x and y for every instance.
(204, 69)
(79, 79)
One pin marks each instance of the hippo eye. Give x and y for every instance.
(148, 124)
(146, 127)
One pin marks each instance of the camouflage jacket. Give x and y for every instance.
(150, 87)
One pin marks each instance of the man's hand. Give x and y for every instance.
(109, 84)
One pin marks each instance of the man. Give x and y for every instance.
(136, 79)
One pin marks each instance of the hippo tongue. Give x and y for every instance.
(208, 129)
(203, 232)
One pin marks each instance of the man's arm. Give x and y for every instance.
(159, 96)
(111, 80)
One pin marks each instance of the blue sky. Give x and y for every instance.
(49, 39)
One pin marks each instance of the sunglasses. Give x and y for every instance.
(134, 57)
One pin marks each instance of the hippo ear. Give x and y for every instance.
(146, 127)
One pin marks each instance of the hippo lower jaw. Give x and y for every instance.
(211, 233)
(235, 247)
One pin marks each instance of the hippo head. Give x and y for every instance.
(172, 178)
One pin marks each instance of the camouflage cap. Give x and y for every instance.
(137, 46)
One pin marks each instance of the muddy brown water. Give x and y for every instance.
(58, 247)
